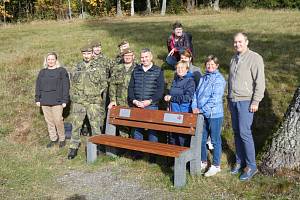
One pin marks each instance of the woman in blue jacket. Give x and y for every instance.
(181, 96)
(208, 99)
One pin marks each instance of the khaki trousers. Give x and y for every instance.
(55, 122)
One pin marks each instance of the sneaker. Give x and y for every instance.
(248, 174)
(51, 144)
(213, 170)
(203, 166)
(236, 169)
(72, 154)
(62, 144)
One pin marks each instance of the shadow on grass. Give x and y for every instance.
(76, 197)
(265, 123)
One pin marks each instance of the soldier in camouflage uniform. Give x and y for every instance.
(118, 90)
(122, 46)
(89, 83)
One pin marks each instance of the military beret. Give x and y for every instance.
(126, 51)
(95, 43)
(86, 48)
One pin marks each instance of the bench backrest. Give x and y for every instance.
(184, 123)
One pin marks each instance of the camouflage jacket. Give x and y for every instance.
(89, 83)
(119, 82)
(105, 63)
(119, 59)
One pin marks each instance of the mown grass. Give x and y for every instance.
(27, 168)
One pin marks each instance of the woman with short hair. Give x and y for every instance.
(208, 99)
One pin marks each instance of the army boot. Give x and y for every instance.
(72, 153)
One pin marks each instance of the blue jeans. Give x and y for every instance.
(152, 135)
(242, 120)
(180, 140)
(212, 127)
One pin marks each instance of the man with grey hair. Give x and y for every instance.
(246, 86)
(146, 88)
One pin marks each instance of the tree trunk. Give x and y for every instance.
(69, 8)
(148, 11)
(163, 7)
(132, 8)
(284, 152)
(119, 8)
(193, 4)
(189, 6)
(216, 5)
(81, 10)
(4, 16)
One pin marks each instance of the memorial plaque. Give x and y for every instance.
(174, 118)
(124, 112)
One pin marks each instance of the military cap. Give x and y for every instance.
(86, 48)
(95, 43)
(126, 51)
(123, 42)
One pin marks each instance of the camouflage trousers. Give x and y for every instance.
(96, 115)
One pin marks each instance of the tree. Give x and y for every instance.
(163, 7)
(69, 8)
(189, 5)
(119, 8)
(216, 5)
(148, 10)
(132, 8)
(284, 151)
(3, 11)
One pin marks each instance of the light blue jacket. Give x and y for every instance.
(209, 95)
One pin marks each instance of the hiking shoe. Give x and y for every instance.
(72, 154)
(236, 169)
(213, 170)
(62, 144)
(203, 166)
(248, 174)
(51, 144)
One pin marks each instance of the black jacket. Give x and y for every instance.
(52, 87)
(146, 85)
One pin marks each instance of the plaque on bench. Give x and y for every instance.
(174, 118)
(124, 112)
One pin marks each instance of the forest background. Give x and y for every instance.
(30, 29)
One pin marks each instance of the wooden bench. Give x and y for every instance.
(182, 123)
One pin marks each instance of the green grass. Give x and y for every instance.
(27, 168)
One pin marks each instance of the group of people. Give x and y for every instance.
(97, 83)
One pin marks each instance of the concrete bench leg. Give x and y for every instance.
(91, 152)
(179, 172)
(195, 166)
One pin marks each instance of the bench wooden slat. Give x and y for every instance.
(153, 126)
(158, 145)
(138, 145)
(157, 117)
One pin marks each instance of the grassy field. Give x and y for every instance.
(28, 170)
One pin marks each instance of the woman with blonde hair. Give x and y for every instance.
(181, 96)
(52, 94)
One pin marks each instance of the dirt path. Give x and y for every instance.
(107, 184)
